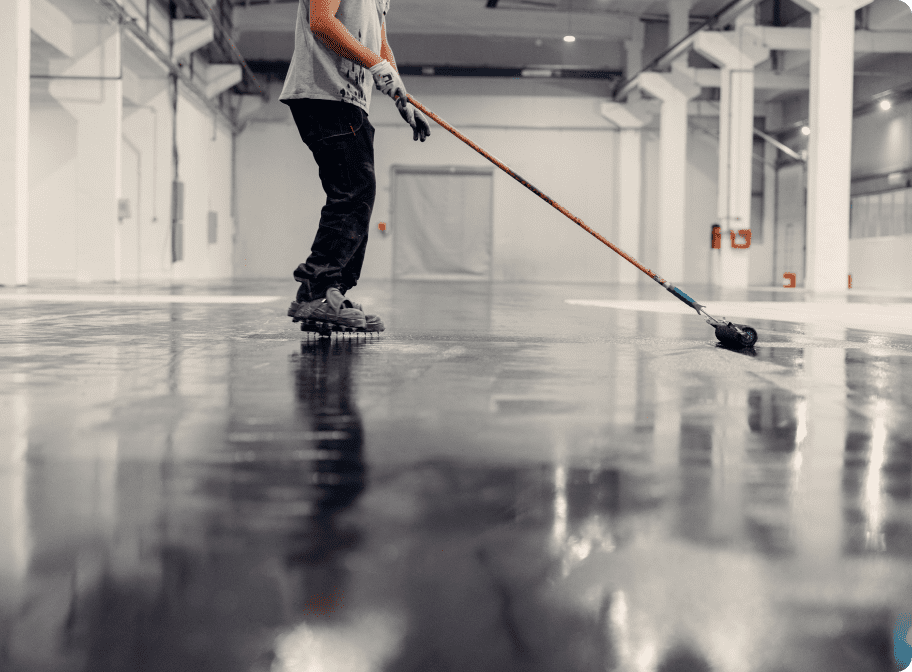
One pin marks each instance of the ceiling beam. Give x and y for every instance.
(457, 18)
(799, 39)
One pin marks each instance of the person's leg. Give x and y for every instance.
(341, 140)
(351, 272)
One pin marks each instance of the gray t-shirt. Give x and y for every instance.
(318, 72)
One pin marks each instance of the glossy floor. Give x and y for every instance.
(509, 478)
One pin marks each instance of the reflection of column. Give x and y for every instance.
(626, 365)
(15, 543)
(674, 90)
(666, 430)
(872, 495)
(72, 516)
(736, 54)
(15, 58)
(728, 447)
(830, 143)
(822, 455)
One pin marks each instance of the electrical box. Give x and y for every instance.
(123, 209)
(213, 227)
(177, 222)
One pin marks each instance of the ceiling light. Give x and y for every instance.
(884, 104)
(569, 38)
(805, 130)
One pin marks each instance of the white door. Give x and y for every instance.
(441, 223)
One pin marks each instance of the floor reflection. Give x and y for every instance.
(499, 482)
(478, 558)
(205, 560)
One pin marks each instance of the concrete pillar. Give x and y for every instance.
(678, 20)
(629, 118)
(674, 90)
(15, 60)
(830, 142)
(770, 198)
(678, 28)
(634, 61)
(736, 53)
(97, 106)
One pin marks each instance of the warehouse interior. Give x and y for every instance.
(544, 462)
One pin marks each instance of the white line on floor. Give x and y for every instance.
(134, 298)
(892, 318)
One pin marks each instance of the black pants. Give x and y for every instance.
(342, 142)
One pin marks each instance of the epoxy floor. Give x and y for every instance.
(511, 477)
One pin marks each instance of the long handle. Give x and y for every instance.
(550, 201)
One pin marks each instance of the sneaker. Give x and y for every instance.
(334, 309)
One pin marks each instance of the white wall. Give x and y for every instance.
(278, 199)
(205, 147)
(564, 147)
(52, 188)
(205, 168)
(148, 128)
(561, 144)
(881, 263)
(702, 208)
(882, 143)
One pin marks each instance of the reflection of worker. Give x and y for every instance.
(328, 90)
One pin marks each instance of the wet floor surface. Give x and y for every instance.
(500, 481)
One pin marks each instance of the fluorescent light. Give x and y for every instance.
(884, 104)
(535, 72)
(569, 38)
(805, 130)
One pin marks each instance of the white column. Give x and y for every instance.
(97, 106)
(830, 142)
(634, 53)
(678, 28)
(770, 196)
(15, 58)
(678, 20)
(674, 90)
(629, 118)
(736, 53)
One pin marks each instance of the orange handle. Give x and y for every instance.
(535, 191)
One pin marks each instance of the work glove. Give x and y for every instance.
(390, 83)
(419, 123)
